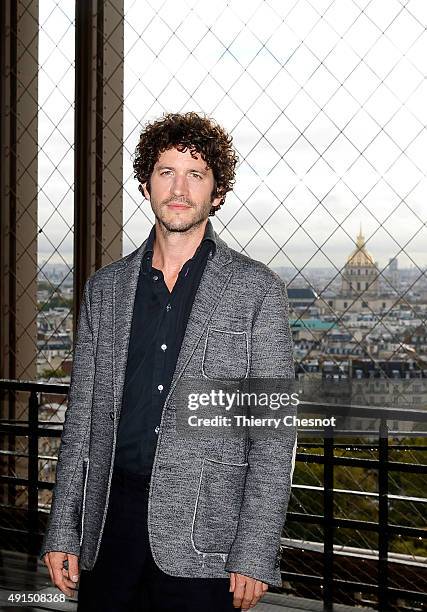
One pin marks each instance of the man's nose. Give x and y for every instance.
(179, 186)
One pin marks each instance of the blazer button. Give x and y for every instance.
(112, 415)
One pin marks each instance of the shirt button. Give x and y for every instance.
(160, 387)
(155, 277)
(157, 429)
(168, 307)
(164, 347)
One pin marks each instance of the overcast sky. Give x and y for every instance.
(325, 99)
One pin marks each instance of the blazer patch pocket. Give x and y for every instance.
(217, 508)
(225, 355)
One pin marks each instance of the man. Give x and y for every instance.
(147, 515)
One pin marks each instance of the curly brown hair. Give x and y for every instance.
(199, 134)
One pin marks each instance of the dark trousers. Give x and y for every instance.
(125, 577)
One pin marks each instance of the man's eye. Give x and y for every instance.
(165, 172)
(199, 176)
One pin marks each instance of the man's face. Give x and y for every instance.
(180, 190)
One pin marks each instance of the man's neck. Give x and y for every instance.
(172, 249)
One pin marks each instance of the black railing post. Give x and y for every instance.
(33, 473)
(328, 531)
(383, 518)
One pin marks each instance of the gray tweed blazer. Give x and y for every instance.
(216, 504)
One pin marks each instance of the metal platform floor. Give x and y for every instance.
(17, 573)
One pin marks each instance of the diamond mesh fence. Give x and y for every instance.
(325, 101)
(55, 188)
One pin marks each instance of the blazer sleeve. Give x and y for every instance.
(256, 549)
(63, 530)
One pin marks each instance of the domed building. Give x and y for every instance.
(360, 274)
(361, 290)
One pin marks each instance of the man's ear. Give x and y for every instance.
(143, 189)
(217, 201)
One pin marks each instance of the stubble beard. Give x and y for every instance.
(200, 214)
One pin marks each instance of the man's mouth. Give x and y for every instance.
(178, 205)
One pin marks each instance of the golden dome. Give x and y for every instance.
(360, 257)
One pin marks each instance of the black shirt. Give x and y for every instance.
(158, 327)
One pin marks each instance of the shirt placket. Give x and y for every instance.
(163, 339)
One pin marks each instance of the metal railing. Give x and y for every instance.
(385, 593)
(384, 587)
